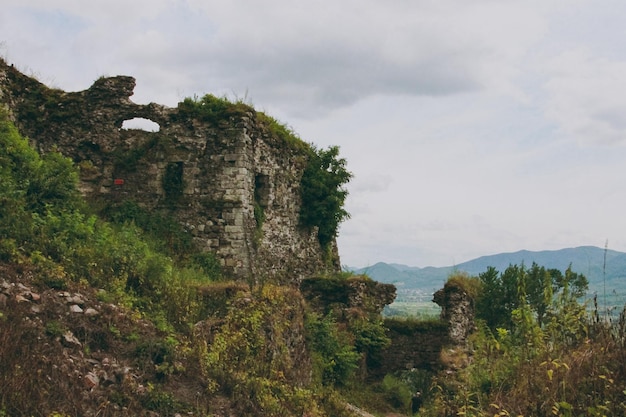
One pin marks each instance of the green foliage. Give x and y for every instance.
(165, 235)
(208, 263)
(397, 392)
(43, 220)
(284, 132)
(471, 286)
(53, 182)
(519, 288)
(335, 358)
(163, 230)
(30, 185)
(212, 109)
(410, 326)
(370, 339)
(323, 193)
(215, 110)
(552, 359)
(54, 328)
(163, 402)
(250, 358)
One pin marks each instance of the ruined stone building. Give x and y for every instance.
(208, 172)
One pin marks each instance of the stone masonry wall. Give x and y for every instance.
(413, 346)
(217, 170)
(457, 309)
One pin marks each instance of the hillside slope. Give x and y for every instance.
(118, 313)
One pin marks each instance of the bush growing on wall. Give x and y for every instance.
(323, 193)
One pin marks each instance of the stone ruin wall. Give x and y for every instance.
(224, 166)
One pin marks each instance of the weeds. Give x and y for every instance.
(571, 365)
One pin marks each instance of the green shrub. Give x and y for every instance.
(55, 328)
(551, 359)
(335, 357)
(397, 392)
(323, 193)
(212, 109)
(370, 339)
(251, 356)
(164, 232)
(284, 132)
(163, 402)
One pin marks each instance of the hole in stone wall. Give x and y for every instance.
(262, 190)
(261, 201)
(173, 181)
(139, 123)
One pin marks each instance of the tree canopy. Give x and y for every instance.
(323, 193)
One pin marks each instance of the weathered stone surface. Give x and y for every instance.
(76, 299)
(457, 309)
(90, 312)
(358, 292)
(75, 308)
(70, 340)
(20, 298)
(91, 380)
(225, 168)
(414, 345)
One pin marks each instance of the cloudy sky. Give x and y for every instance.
(472, 127)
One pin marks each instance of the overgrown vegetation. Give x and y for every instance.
(212, 109)
(167, 312)
(44, 222)
(323, 193)
(537, 351)
(260, 348)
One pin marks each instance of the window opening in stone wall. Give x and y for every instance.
(173, 181)
(261, 201)
(261, 190)
(139, 123)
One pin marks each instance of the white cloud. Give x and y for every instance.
(587, 97)
(310, 57)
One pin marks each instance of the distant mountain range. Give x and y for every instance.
(587, 260)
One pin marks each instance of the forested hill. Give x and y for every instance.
(587, 260)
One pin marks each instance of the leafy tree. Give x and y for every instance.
(323, 193)
(490, 302)
(540, 289)
(498, 297)
(535, 287)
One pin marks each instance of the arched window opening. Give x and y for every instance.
(139, 123)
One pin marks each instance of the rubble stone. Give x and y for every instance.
(70, 340)
(74, 308)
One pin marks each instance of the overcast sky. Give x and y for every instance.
(472, 127)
